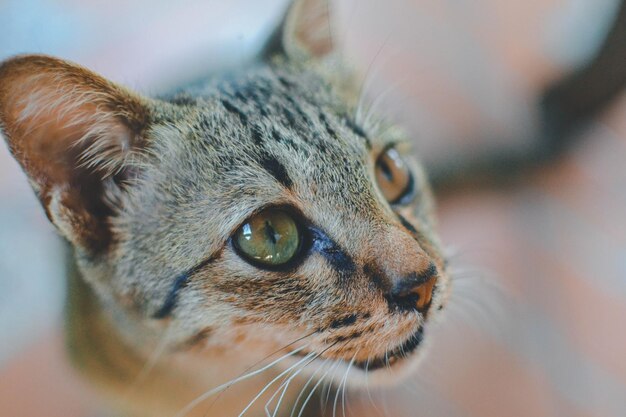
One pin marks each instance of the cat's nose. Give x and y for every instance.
(403, 271)
(413, 291)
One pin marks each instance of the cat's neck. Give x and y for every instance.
(151, 381)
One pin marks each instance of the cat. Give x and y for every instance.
(248, 218)
(249, 239)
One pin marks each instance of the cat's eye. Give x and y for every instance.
(393, 176)
(269, 238)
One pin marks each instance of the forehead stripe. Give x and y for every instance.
(351, 124)
(275, 169)
(235, 110)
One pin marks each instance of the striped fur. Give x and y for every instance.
(149, 191)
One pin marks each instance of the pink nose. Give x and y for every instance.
(403, 271)
(414, 291)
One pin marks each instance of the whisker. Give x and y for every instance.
(150, 363)
(303, 390)
(326, 397)
(373, 105)
(228, 384)
(369, 76)
(268, 385)
(311, 357)
(306, 401)
(257, 363)
(343, 393)
(282, 395)
(343, 381)
(285, 384)
(369, 391)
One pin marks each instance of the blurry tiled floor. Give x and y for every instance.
(537, 325)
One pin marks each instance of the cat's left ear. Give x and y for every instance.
(78, 137)
(304, 33)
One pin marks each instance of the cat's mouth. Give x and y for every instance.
(391, 357)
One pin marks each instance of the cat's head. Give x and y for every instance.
(250, 213)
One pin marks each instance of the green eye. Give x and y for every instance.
(270, 238)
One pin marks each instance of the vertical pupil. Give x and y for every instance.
(386, 170)
(270, 233)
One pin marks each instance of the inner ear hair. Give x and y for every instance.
(76, 135)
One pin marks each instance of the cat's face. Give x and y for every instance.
(291, 219)
(254, 213)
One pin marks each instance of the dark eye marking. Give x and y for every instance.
(407, 225)
(170, 301)
(344, 321)
(334, 255)
(179, 283)
(276, 170)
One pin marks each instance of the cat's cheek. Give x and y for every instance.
(441, 297)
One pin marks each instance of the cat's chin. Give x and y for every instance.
(391, 368)
(394, 357)
(386, 370)
(365, 378)
(390, 375)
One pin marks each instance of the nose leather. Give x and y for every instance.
(407, 276)
(414, 291)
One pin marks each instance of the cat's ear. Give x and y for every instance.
(304, 32)
(77, 136)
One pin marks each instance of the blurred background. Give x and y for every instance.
(537, 324)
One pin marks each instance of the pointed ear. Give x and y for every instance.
(305, 31)
(77, 136)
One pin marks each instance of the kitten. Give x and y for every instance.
(243, 220)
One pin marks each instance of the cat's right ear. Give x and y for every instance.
(77, 136)
(304, 32)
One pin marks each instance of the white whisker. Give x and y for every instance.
(368, 389)
(285, 384)
(150, 363)
(221, 387)
(268, 385)
(308, 398)
(303, 390)
(368, 78)
(345, 382)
